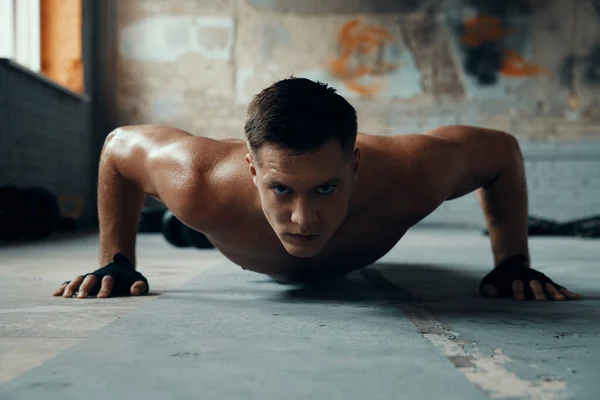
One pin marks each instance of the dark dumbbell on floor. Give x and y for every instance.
(543, 227)
(195, 239)
(180, 235)
(151, 220)
(171, 230)
(588, 227)
(11, 205)
(43, 213)
(27, 214)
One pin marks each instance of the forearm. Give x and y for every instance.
(505, 206)
(119, 207)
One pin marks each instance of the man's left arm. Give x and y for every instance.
(491, 162)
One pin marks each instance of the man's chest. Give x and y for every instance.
(359, 242)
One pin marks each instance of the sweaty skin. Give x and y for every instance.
(304, 217)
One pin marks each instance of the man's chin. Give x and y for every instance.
(303, 251)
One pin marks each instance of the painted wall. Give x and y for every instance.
(529, 67)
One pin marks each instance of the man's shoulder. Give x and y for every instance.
(404, 170)
(394, 153)
(206, 153)
(222, 189)
(393, 145)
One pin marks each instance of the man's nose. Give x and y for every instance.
(304, 215)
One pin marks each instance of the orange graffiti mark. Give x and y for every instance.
(486, 28)
(356, 41)
(515, 65)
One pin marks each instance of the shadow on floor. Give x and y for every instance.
(443, 290)
(446, 291)
(397, 282)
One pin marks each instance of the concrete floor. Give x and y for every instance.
(413, 326)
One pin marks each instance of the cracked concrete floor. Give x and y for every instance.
(411, 326)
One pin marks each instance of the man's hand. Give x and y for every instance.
(118, 278)
(513, 278)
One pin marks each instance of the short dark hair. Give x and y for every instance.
(299, 115)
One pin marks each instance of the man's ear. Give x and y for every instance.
(250, 161)
(356, 162)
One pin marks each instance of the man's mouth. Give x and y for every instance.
(300, 238)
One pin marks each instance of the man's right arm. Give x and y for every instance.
(136, 161)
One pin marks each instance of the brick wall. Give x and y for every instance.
(45, 136)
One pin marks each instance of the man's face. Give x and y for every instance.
(305, 197)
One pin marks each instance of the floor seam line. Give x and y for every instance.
(486, 372)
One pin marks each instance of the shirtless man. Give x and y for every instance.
(305, 197)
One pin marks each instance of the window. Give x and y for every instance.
(45, 37)
(20, 32)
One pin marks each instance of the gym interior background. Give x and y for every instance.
(73, 70)
(529, 67)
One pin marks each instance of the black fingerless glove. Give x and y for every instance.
(514, 269)
(124, 276)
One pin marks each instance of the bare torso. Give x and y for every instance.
(214, 188)
(377, 219)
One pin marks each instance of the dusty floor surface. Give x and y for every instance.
(412, 326)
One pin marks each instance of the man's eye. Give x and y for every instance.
(280, 190)
(325, 189)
